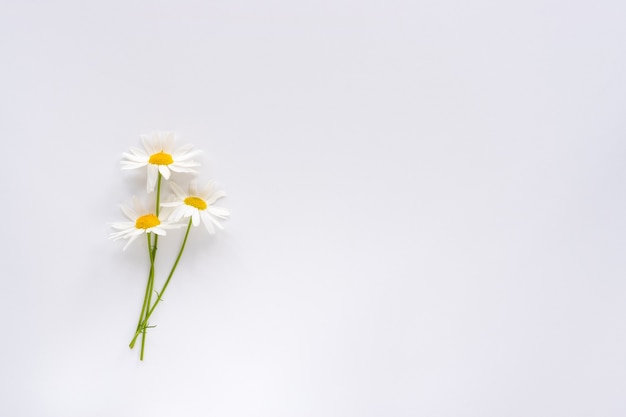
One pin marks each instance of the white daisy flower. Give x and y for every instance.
(198, 205)
(146, 222)
(160, 156)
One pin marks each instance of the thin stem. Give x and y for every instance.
(158, 195)
(143, 342)
(153, 253)
(169, 277)
(149, 289)
(150, 285)
(145, 298)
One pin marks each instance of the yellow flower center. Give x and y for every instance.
(161, 158)
(147, 221)
(196, 202)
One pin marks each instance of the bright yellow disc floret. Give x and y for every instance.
(196, 202)
(161, 158)
(147, 221)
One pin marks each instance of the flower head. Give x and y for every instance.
(160, 155)
(141, 221)
(198, 205)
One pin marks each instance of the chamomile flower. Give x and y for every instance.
(198, 205)
(160, 155)
(141, 221)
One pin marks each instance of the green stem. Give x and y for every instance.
(145, 298)
(143, 343)
(150, 285)
(158, 197)
(169, 277)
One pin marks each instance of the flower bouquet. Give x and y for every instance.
(180, 209)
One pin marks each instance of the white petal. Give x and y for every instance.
(135, 158)
(189, 210)
(174, 167)
(164, 171)
(148, 143)
(121, 225)
(178, 191)
(178, 213)
(209, 227)
(172, 204)
(152, 177)
(206, 191)
(218, 211)
(206, 219)
(139, 152)
(138, 207)
(129, 212)
(172, 225)
(186, 164)
(185, 156)
(195, 218)
(131, 240)
(179, 152)
(215, 196)
(118, 235)
(158, 230)
(193, 189)
(162, 141)
(218, 224)
(168, 142)
(131, 165)
(136, 232)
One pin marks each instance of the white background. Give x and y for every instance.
(427, 197)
